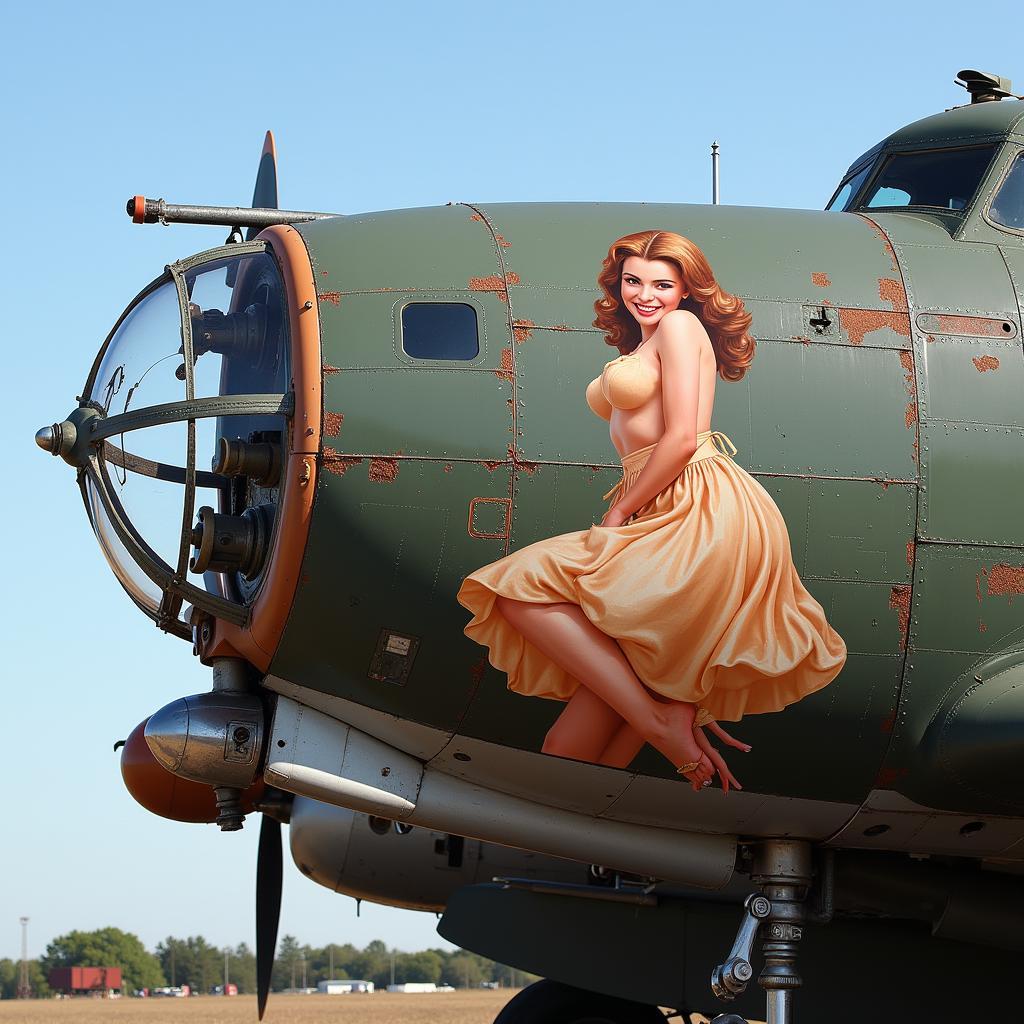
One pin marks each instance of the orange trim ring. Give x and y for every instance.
(139, 210)
(258, 641)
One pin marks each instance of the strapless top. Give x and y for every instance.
(625, 383)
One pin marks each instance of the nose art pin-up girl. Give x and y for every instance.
(683, 607)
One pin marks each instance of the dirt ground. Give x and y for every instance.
(473, 1007)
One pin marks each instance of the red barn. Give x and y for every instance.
(86, 981)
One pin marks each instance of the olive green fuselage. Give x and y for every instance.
(882, 413)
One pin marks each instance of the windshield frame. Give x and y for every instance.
(172, 580)
(1014, 156)
(885, 158)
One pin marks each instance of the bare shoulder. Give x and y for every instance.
(681, 330)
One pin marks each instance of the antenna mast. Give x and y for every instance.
(714, 173)
(24, 988)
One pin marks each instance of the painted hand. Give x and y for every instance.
(725, 776)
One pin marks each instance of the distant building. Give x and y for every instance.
(343, 986)
(101, 982)
(420, 986)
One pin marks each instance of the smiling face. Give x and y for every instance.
(650, 288)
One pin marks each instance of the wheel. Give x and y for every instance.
(551, 1002)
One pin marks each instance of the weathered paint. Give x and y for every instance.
(985, 363)
(823, 426)
(334, 298)
(337, 464)
(330, 370)
(899, 602)
(521, 329)
(1004, 581)
(332, 423)
(820, 279)
(383, 471)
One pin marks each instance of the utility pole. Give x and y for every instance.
(392, 966)
(330, 973)
(227, 953)
(24, 987)
(303, 970)
(714, 173)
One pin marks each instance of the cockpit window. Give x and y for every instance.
(1008, 206)
(944, 179)
(848, 190)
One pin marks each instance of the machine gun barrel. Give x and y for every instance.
(151, 211)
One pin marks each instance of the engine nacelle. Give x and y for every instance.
(401, 866)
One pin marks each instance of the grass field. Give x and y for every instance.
(471, 1007)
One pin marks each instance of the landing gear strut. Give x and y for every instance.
(782, 871)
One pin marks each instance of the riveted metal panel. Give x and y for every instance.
(973, 479)
(362, 330)
(440, 247)
(967, 599)
(443, 413)
(975, 380)
(553, 370)
(552, 499)
(828, 409)
(848, 529)
(941, 277)
(388, 549)
(755, 253)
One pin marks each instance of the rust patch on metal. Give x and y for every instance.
(982, 627)
(505, 373)
(887, 723)
(899, 602)
(502, 241)
(448, 467)
(1003, 581)
(521, 329)
(984, 363)
(821, 280)
(892, 291)
(494, 283)
(337, 464)
(859, 322)
(800, 337)
(911, 547)
(970, 326)
(334, 298)
(907, 362)
(492, 464)
(328, 369)
(561, 327)
(383, 471)
(476, 217)
(333, 422)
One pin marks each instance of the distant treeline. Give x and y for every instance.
(194, 962)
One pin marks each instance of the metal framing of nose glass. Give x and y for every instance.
(173, 582)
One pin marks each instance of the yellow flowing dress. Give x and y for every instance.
(698, 588)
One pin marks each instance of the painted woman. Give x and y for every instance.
(683, 607)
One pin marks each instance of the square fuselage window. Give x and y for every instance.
(440, 330)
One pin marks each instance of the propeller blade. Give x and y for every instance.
(264, 195)
(269, 879)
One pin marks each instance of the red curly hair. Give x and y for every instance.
(722, 314)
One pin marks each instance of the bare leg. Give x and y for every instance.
(624, 746)
(572, 641)
(583, 729)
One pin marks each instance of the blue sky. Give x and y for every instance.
(373, 107)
